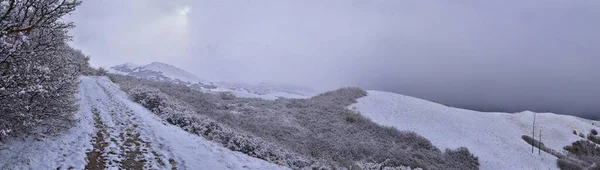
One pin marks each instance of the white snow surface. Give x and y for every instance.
(242, 93)
(244, 90)
(494, 137)
(172, 72)
(164, 69)
(101, 99)
(129, 65)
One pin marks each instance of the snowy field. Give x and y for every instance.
(494, 137)
(269, 96)
(114, 132)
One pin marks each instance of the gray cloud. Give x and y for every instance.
(501, 55)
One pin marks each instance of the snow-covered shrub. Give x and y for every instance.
(594, 138)
(320, 129)
(565, 164)
(461, 158)
(38, 70)
(381, 166)
(532, 141)
(341, 97)
(584, 148)
(227, 95)
(178, 113)
(582, 154)
(594, 132)
(541, 146)
(101, 71)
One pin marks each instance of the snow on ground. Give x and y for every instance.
(494, 137)
(243, 90)
(114, 132)
(172, 72)
(242, 93)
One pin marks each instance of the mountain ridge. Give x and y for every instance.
(159, 71)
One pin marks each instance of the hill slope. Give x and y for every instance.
(165, 72)
(114, 132)
(494, 137)
(157, 71)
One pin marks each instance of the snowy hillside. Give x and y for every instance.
(171, 72)
(165, 72)
(114, 132)
(156, 70)
(494, 137)
(263, 90)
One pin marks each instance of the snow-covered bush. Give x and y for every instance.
(532, 141)
(320, 129)
(178, 113)
(594, 132)
(594, 138)
(541, 146)
(227, 96)
(461, 158)
(101, 71)
(381, 166)
(341, 97)
(585, 150)
(582, 154)
(38, 70)
(565, 164)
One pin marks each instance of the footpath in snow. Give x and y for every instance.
(114, 132)
(494, 137)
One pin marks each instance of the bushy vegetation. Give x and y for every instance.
(532, 141)
(582, 154)
(178, 113)
(584, 150)
(593, 138)
(565, 164)
(541, 146)
(38, 70)
(301, 133)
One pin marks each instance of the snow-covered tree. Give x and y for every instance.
(38, 70)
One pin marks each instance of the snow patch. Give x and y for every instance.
(494, 137)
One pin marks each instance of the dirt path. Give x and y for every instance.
(113, 132)
(119, 141)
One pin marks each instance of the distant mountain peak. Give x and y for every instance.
(160, 64)
(156, 70)
(168, 73)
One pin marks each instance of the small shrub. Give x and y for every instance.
(584, 150)
(227, 96)
(543, 147)
(102, 71)
(581, 135)
(565, 164)
(595, 167)
(582, 154)
(574, 132)
(593, 138)
(461, 158)
(532, 141)
(594, 132)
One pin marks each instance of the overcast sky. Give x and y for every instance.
(494, 55)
